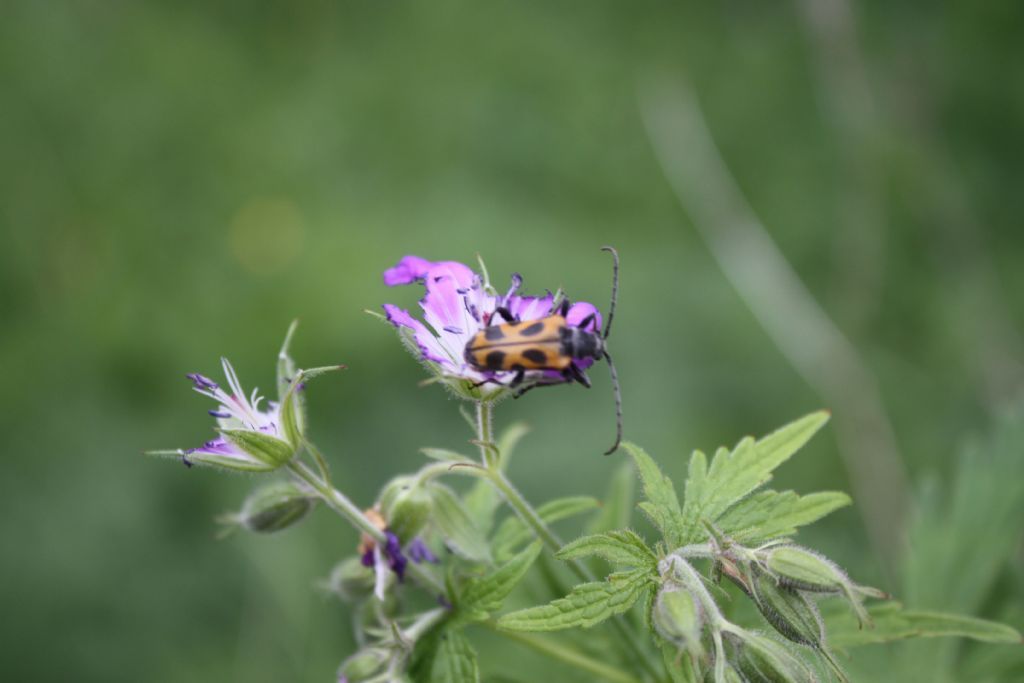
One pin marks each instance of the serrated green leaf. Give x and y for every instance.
(711, 491)
(662, 505)
(512, 533)
(455, 661)
(617, 505)
(455, 524)
(771, 514)
(621, 548)
(893, 622)
(485, 594)
(586, 605)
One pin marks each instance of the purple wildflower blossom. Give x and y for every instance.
(457, 305)
(391, 558)
(234, 411)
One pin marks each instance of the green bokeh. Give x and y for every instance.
(180, 180)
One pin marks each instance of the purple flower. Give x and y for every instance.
(390, 559)
(457, 305)
(250, 438)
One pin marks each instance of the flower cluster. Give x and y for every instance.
(458, 304)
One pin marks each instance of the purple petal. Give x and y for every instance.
(393, 550)
(367, 558)
(530, 307)
(201, 382)
(419, 552)
(580, 310)
(462, 274)
(443, 306)
(426, 341)
(408, 270)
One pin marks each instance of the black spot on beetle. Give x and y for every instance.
(536, 356)
(493, 333)
(495, 359)
(534, 329)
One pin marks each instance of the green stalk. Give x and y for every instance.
(531, 518)
(337, 501)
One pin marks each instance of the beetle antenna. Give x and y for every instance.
(615, 291)
(618, 403)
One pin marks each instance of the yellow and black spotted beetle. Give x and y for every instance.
(547, 344)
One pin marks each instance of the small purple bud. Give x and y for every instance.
(185, 461)
(367, 558)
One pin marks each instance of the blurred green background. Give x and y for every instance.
(180, 180)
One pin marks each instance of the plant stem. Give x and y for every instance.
(532, 519)
(569, 656)
(485, 432)
(337, 501)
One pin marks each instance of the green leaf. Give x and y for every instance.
(455, 661)
(662, 505)
(617, 509)
(513, 533)
(485, 594)
(711, 491)
(586, 605)
(892, 622)
(771, 514)
(621, 548)
(455, 524)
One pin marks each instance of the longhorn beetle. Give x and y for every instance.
(546, 344)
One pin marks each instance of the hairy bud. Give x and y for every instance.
(764, 660)
(363, 665)
(351, 580)
(273, 507)
(678, 618)
(406, 506)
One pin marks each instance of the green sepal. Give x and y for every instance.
(269, 450)
(893, 622)
(274, 507)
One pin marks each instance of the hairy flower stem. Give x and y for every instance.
(570, 656)
(337, 501)
(532, 519)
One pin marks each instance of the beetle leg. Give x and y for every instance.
(506, 314)
(534, 385)
(573, 373)
(518, 379)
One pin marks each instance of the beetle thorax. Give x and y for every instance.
(578, 343)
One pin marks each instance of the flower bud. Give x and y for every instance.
(788, 611)
(407, 506)
(351, 580)
(764, 660)
(274, 507)
(364, 664)
(678, 618)
(806, 570)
